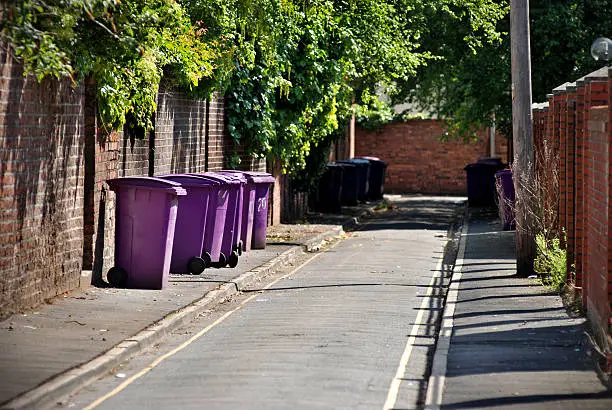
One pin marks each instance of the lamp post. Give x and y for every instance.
(601, 49)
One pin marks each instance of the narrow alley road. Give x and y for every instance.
(352, 328)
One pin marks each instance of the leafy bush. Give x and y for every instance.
(373, 112)
(551, 262)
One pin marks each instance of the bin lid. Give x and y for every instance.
(146, 182)
(190, 180)
(263, 179)
(226, 179)
(483, 165)
(256, 173)
(257, 177)
(504, 172)
(374, 160)
(356, 161)
(247, 178)
(229, 179)
(234, 174)
(347, 164)
(490, 160)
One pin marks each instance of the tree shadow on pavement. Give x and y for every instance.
(533, 348)
(529, 399)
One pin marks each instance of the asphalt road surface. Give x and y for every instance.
(352, 327)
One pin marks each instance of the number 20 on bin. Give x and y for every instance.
(262, 204)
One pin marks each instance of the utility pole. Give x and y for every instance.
(350, 151)
(492, 137)
(522, 136)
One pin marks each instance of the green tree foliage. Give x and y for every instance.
(468, 84)
(300, 65)
(294, 71)
(124, 46)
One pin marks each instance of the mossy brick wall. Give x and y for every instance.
(41, 187)
(421, 163)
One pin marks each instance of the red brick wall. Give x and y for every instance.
(609, 131)
(595, 90)
(564, 131)
(581, 172)
(41, 187)
(133, 155)
(598, 233)
(57, 213)
(559, 116)
(102, 154)
(576, 123)
(418, 161)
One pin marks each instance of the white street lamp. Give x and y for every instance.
(601, 49)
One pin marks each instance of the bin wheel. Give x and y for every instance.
(117, 277)
(196, 265)
(240, 247)
(233, 260)
(207, 259)
(237, 249)
(222, 262)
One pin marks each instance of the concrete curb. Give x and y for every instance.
(435, 385)
(58, 387)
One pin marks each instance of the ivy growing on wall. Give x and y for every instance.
(124, 46)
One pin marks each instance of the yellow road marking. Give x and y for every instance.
(195, 337)
(401, 368)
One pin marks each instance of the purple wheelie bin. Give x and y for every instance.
(224, 222)
(215, 220)
(229, 254)
(144, 231)
(237, 201)
(248, 208)
(215, 223)
(263, 182)
(188, 253)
